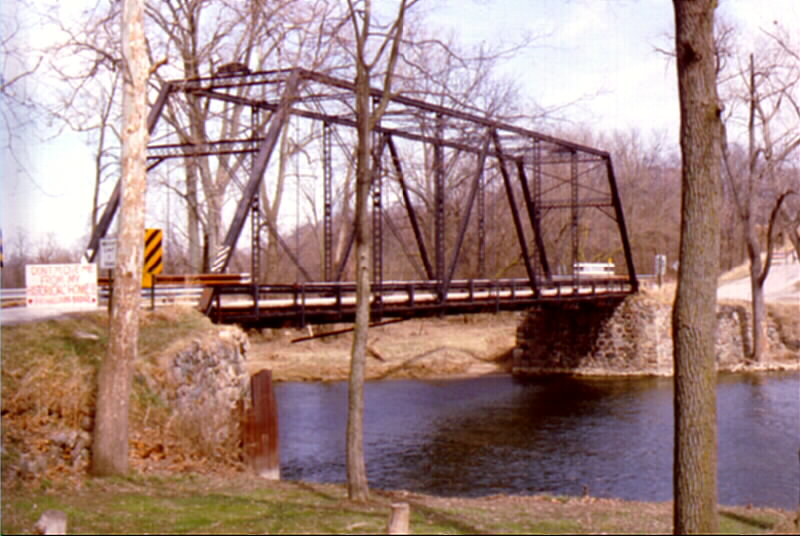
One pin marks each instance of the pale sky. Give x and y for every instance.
(601, 51)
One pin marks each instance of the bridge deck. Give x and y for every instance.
(318, 303)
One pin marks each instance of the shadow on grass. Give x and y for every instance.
(747, 520)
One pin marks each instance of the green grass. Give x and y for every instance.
(244, 504)
(189, 506)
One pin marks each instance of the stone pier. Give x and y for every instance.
(633, 337)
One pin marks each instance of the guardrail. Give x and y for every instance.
(12, 297)
(167, 289)
(263, 305)
(15, 297)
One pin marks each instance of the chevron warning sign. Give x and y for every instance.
(153, 255)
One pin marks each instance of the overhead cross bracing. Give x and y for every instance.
(465, 198)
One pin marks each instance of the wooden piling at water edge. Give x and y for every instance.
(399, 519)
(260, 432)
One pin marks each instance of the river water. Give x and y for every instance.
(496, 434)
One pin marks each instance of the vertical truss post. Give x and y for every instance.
(438, 205)
(482, 224)
(512, 206)
(255, 215)
(377, 210)
(537, 205)
(327, 172)
(462, 231)
(574, 213)
(255, 241)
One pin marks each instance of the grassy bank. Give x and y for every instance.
(240, 504)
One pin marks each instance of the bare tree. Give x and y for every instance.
(18, 63)
(771, 116)
(110, 439)
(367, 60)
(694, 313)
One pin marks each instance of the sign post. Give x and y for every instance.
(108, 261)
(108, 253)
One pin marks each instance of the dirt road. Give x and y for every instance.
(782, 285)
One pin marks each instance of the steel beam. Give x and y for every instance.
(574, 215)
(102, 226)
(276, 124)
(462, 231)
(512, 206)
(377, 209)
(482, 224)
(438, 205)
(327, 179)
(623, 230)
(412, 214)
(533, 216)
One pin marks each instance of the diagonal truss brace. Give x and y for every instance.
(102, 226)
(276, 124)
(512, 206)
(465, 219)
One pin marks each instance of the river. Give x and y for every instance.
(496, 434)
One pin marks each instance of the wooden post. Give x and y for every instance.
(52, 522)
(399, 519)
(261, 431)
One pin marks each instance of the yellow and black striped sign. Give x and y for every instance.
(153, 255)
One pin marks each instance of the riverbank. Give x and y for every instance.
(450, 347)
(477, 345)
(235, 503)
(180, 483)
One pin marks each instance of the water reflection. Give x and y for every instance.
(500, 435)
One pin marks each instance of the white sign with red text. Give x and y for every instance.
(72, 286)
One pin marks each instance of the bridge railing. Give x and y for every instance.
(331, 302)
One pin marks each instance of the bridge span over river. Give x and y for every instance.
(468, 213)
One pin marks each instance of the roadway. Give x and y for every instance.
(782, 285)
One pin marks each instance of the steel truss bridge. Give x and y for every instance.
(489, 190)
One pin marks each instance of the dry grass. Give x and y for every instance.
(664, 294)
(419, 348)
(48, 387)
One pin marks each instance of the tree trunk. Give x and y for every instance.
(110, 442)
(366, 119)
(357, 486)
(759, 322)
(694, 313)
